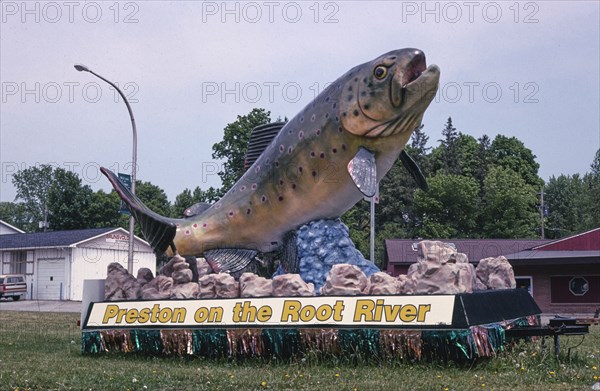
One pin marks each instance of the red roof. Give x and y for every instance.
(586, 241)
(399, 251)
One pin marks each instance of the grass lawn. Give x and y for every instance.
(43, 351)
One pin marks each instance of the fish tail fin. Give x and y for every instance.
(158, 230)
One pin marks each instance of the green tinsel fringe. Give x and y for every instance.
(457, 345)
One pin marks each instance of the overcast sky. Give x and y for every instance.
(527, 69)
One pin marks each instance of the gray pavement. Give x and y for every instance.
(40, 305)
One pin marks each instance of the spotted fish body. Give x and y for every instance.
(303, 174)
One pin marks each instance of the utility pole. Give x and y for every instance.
(542, 212)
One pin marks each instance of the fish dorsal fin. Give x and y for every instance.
(363, 171)
(414, 170)
(196, 209)
(260, 138)
(229, 260)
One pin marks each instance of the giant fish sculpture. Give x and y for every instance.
(317, 166)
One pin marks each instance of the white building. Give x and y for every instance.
(7, 229)
(56, 263)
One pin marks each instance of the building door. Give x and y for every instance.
(50, 279)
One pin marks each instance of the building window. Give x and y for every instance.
(17, 262)
(525, 282)
(579, 286)
(575, 289)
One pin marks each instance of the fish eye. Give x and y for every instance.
(380, 72)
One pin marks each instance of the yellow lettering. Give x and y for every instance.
(308, 313)
(290, 310)
(379, 309)
(364, 308)
(391, 312)
(132, 316)
(155, 309)
(201, 315)
(179, 315)
(237, 312)
(408, 313)
(264, 313)
(110, 312)
(337, 310)
(216, 314)
(121, 314)
(144, 315)
(423, 310)
(165, 315)
(324, 312)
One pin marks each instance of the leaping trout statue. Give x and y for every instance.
(316, 166)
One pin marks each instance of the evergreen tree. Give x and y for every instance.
(448, 151)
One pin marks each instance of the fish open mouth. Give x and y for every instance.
(415, 68)
(415, 76)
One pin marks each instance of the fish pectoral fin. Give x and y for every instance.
(229, 260)
(196, 209)
(363, 171)
(414, 170)
(158, 230)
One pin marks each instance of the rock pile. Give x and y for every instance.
(120, 285)
(439, 269)
(495, 273)
(344, 280)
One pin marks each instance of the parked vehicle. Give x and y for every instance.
(13, 285)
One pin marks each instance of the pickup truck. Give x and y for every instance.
(13, 285)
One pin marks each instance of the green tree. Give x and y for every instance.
(234, 145)
(153, 197)
(68, 201)
(449, 157)
(448, 209)
(509, 205)
(183, 200)
(483, 159)
(15, 214)
(511, 153)
(358, 221)
(187, 198)
(457, 154)
(103, 211)
(566, 200)
(397, 189)
(592, 182)
(32, 186)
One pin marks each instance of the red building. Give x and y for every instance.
(562, 275)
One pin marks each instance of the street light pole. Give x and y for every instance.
(83, 68)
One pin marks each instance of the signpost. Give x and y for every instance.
(126, 179)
